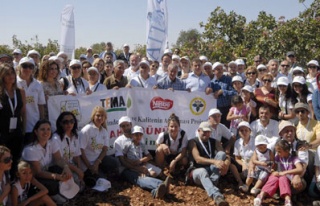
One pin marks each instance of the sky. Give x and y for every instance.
(123, 21)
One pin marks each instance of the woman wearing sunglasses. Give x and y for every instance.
(252, 77)
(12, 112)
(265, 95)
(5, 166)
(45, 159)
(35, 99)
(66, 137)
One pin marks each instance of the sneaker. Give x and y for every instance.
(257, 201)
(167, 183)
(244, 188)
(287, 203)
(161, 191)
(255, 191)
(220, 201)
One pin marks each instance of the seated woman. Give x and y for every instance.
(67, 139)
(172, 146)
(46, 162)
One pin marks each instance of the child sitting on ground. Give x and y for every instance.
(287, 165)
(261, 164)
(26, 190)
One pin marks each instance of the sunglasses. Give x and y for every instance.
(27, 66)
(262, 70)
(249, 73)
(285, 65)
(267, 80)
(7, 160)
(73, 68)
(70, 121)
(291, 56)
(302, 111)
(312, 67)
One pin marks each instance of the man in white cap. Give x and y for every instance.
(130, 169)
(17, 55)
(197, 80)
(143, 80)
(203, 59)
(209, 162)
(232, 69)
(185, 67)
(125, 55)
(266, 126)
(219, 131)
(241, 66)
(313, 69)
(35, 55)
(207, 67)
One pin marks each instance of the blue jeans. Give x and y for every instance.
(209, 176)
(148, 183)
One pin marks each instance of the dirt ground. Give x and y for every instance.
(123, 193)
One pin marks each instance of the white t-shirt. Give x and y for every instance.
(121, 143)
(92, 141)
(80, 88)
(221, 131)
(97, 87)
(69, 147)
(130, 74)
(317, 157)
(174, 143)
(245, 151)
(138, 81)
(35, 152)
(34, 98)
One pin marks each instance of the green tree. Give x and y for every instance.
(189, 43)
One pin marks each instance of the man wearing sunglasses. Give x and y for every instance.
(307, 129)
(313, 69)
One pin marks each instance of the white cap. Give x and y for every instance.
(244, 124)
(17, 51)
(237, 78)
(83, 56)
(203, 58)
(174, 56)
(124, 119)
(54, 58)
(297, 69)
(167, 51)
(239, 62)
(61, 53)
(26, 60)
(214, 111)
(299, 79)
(205, 126)
(260, 139)
(261, 66)
(216, 64)
(69, 188)
(89, 48)
(283, 81)
(314, 62)
(93, 69)
(186, 58)
(247, 88)
(125, 45)
(145, 62)
(33, 52)
(75, 62)
(207, 64)
(102, 185)
(232, 62)
(137, 129)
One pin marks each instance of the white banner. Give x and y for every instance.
(147, 108)
(67, 37)
(157, 29)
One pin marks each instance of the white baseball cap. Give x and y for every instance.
(247, 88)
(214, 111)
(216, 64)
(145, 62)
(261, 66)
(237, 78)
(93, 69)
(75, 62)
(207, 64)
(137, 129)
(205, 126)
(102, 185)
(26, 60)
(260, 139)
(283, 81)
(69, 188)
(33, 52)
(298, 69)
(315, 62)
(83, 56)
(299, 79)
(124, 119)
(17, 51)
(186, 58)
(240, 62)
(167, 51)
(232, 63)
(203, 58)
(244, 124)
(174, 56)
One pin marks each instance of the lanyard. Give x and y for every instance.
(95, 87)
(75, 85)
(205, 149)
(10, 102)
(141, 82)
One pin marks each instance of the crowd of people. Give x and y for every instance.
(264, 130)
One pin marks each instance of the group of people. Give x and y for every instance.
(264, 130)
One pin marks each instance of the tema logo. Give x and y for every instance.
(159, 103)
(116, 103)
(197, 106)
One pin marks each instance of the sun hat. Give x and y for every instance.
(214, 111)
(247, 88)
(205, 126)
(102, 185)
(124, 119)
(137, 129)
(244, 124)
(301, 105)
(283, 124)
(69, 188)
(283, 81)
(260, 139)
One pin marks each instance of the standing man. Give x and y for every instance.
(197, 80)
(17, 55)
(171, 81)
(116, 80)
(125, 55)
(143, 80)
(209, 162)
(109, 48)
(133, 70)
(89, 55)
(166, 59)
(291, 58)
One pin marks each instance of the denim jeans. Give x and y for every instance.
(208, 177)
(148, 183)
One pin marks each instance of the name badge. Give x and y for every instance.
(13, 123)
